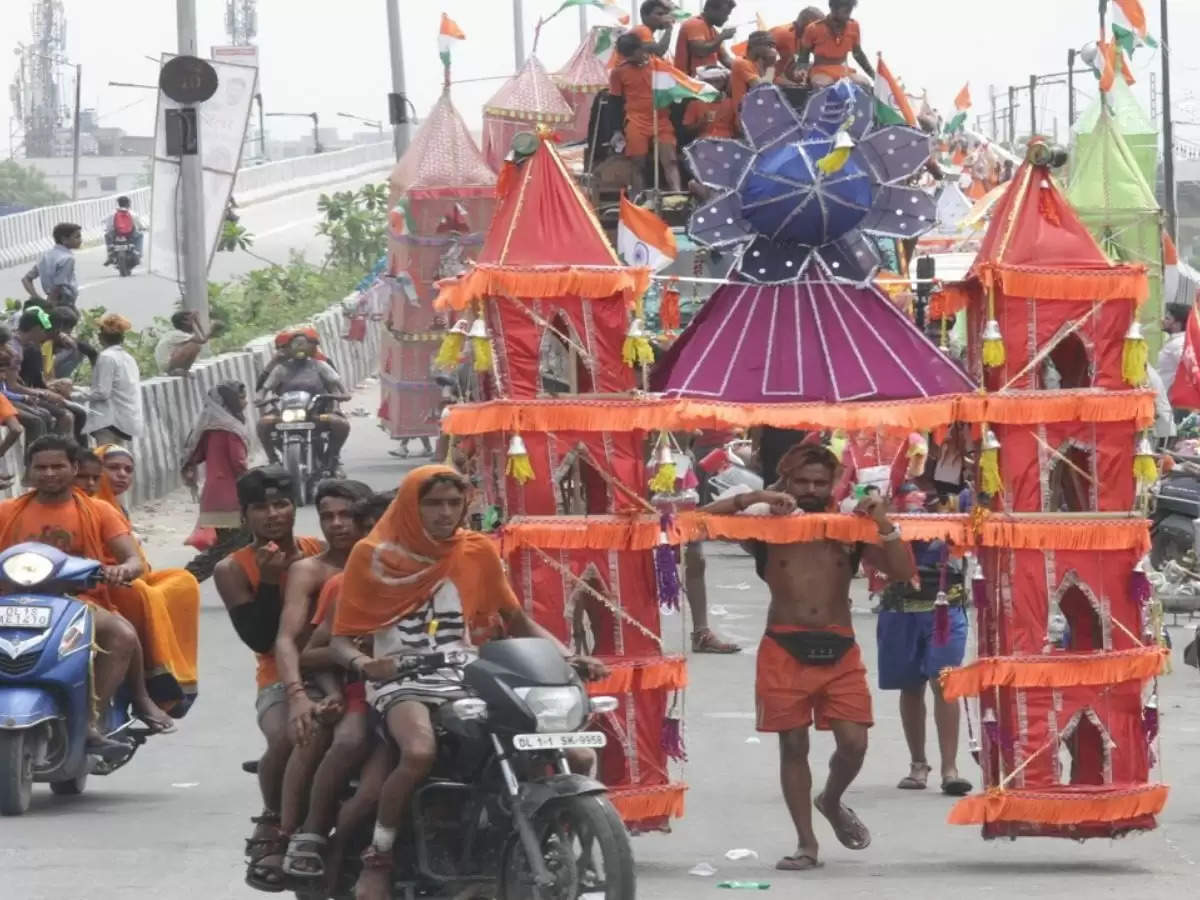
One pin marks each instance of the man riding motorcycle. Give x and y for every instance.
(298, 368)
(125, 223)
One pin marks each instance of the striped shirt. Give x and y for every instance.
(438, 626)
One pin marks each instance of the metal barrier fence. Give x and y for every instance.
(25, 235)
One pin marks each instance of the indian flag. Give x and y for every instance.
(606, 45)
(643, 239)
(609, 6)
(672, 86)
(1129, 26)
(400, 220)
(962, 103)
(449, 35)
(891, 103)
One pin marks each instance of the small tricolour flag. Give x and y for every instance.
(962, 103)
(891, 104)
(672, 86)
(1129, 26)
(609, 6)
(449, 35)
(400, 220)
(643, 239)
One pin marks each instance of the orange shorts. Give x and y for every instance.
(789, 694)
(639, 136)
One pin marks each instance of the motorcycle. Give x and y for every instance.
(1176, 506)
(302, 449)
(124, 254)
(46, 678)
(502, 810)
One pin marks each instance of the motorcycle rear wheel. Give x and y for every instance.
(123, 266)
(16, 773)
(572, 833)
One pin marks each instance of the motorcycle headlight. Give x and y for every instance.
(293, 415)
(27, 569)
(75, 638)
(555, 708)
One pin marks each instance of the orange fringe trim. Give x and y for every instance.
(1075, 534)
(951, 299)
(824, 527)
(1126, 282)
(660, 414)
(642, 674)
(1059, 807)
(593, 283)
(637, 804)
(1058, 670)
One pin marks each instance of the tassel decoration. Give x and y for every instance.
(835, 160)
(672, 739)
(451, 349)
(993, 345)
(941, 620)
(663, 481)
(1134, 356)
(1145, 466)
(668, 310)
(1139, 586)
(989, 464)
(481, 345)
(979, 591)
(1150, 719)
(519, 468)
(666, 570)
(637, 350)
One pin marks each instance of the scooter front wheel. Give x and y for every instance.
(16, 773)
(71, 787)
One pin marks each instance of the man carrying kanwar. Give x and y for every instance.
(809, 666)
(420, 583)
(56, 514)
(646, 127)
(827, 43)
(251, 583)
(656, 20)
(700, 42)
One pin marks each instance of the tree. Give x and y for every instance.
(26, 186)
(356, 225)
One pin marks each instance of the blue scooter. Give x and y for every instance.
(46, 678)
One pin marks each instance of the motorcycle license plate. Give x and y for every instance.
(296, 426)
(24, 616)
(560, 741)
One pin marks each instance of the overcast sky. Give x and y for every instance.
(333, 56)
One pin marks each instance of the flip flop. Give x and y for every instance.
(956, 787)
(911, 782)
(308, 851)
(798, 862)
(848, 827)
(156, 727)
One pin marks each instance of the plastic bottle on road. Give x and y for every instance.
(746, 885)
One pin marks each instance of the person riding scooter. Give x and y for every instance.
(124, 223)
(299, 370)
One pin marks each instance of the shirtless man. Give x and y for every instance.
(809, 666)
(315, 700)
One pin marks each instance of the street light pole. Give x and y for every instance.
(1033, 80)
(191, 176)
(1012, 117)
(1168, 128)
(1071, 88)
(75, 134)
(582, 23)
(398, 100)
(518, 34)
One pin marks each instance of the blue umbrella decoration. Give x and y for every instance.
(812, 186)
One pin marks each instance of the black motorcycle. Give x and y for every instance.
(301, 444)
(1176, 506)
(502, 810)
(124, 254)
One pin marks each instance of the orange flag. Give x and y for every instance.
(963, 100)
(1108, 69)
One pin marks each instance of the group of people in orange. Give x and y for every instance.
(811, 52)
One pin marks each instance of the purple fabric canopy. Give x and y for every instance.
(814, 340)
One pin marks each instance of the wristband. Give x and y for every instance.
(295, 687)
(891, 536)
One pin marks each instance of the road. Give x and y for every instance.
(170, 826)
(279, 226)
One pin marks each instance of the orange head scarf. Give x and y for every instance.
(398, 566)
(105, 492)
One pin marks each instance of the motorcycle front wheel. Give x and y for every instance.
(293, 461)
(586, 849)
(16, 773)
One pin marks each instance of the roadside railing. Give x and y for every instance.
(25, 235)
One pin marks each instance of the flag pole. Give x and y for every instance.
(655, 113)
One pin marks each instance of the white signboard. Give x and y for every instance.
(223, 120)
(239, 54)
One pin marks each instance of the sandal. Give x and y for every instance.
(847, 827)
(917, 779)
(705, 641)
(305, 856)
(798, 862)
(261, 874)
(956, 786)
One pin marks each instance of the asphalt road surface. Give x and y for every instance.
(170, 825)
(279, 226)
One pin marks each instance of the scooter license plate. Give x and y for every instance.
(560, 741)
(24, 616)
(296, 426)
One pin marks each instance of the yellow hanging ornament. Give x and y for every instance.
(452, 345)
(637, 350)
(1134, 356)
(481, 345)
(1145, 466)
(989, 464)
(665, 474)
(993, 345)
(519, 468)
(835, 160)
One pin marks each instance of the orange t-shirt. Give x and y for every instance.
(743, 73)
(723, 123)
(267, 673)
(694, 29)
(635, 84)
(787, 43)
(7, 410)
(59, 525)
(819, 40)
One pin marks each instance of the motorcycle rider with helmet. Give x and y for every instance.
(124, 222)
